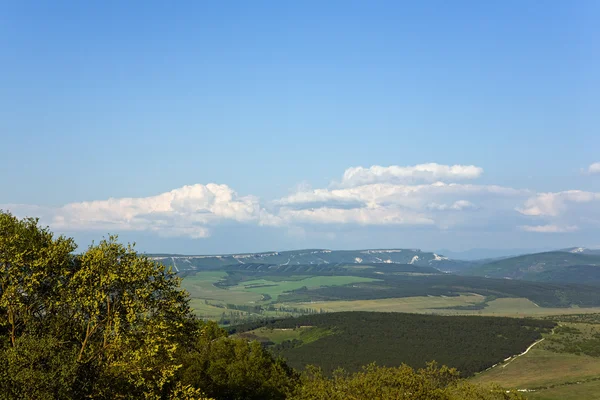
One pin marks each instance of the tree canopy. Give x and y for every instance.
(105, 323)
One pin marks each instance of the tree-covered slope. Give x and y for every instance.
(470, 344)
(588, 274)
(539, 266)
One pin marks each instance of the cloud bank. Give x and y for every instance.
(186, 211)
(430, 172)
(429, 195)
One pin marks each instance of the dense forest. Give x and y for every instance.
(469, 343)
(108, 323)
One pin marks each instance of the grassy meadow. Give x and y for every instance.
(209, 300)
(276, 288)
(554, 369)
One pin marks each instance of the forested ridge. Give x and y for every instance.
(108, 323)
(469, 343)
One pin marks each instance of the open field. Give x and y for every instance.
(419, 304)
(201, 286)
(279, 335)
(206, 311)
(210, 301)
(507, 307)
(519, 307)
(577, 391)
(254, 293)
(307, 334)
(540, 368)
(549, 374)
(276, 288)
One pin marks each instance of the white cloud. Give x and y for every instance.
(394, 204)
(430, 172)
(375, 196)
(594, 168)
(565, 211)
(362, 216)
(548, 228)
(557, 203)
(408, 195)
(187, 211)
(458, 205)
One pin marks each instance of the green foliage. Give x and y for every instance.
(234, 369)
(103, 324)
(40, 368)
(580, 339)
(384, 383)
(34, 267)
(591, 318)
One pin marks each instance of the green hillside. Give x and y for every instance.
(588, 274)
(548, 266)
(352, 339)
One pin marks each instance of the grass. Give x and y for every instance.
(420, 304)
(276, 288)
(541, 368)
(306, 334)
(505, 307)
(278, 335)
(206, 311)
(518, 307)
(585, 390)
(201, 286)
(550, 374)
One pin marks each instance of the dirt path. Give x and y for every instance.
(523, 353)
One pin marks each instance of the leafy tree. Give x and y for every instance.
(235, 369)
(34, 267)
(103, 324)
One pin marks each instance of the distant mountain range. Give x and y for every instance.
(481, 254)
(569, 265)
(582, 250)
(310, 257)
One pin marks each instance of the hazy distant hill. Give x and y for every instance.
(312, 257)
(582, 250)
(554, 266)
(489, 254)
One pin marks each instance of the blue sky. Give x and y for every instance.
(274, 101)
